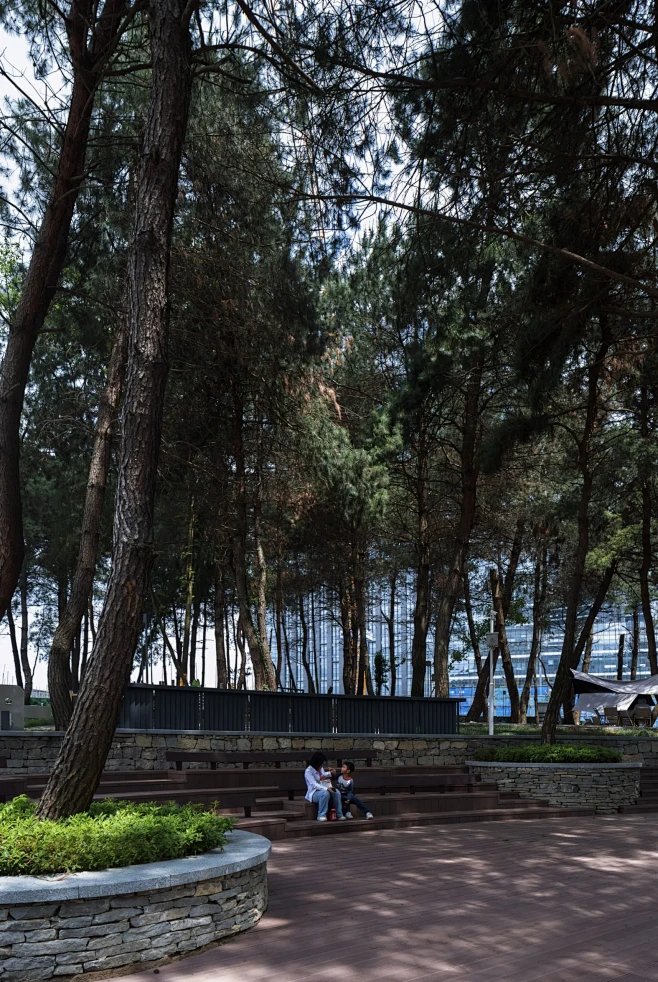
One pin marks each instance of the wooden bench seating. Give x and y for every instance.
(276, 757)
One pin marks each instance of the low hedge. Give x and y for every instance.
(111, 834)
(560, 753)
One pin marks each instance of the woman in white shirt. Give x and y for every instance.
(319, 789)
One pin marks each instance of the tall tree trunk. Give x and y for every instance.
(91, 36)
(469, 477)
(220, 643)
(647, 553)
(364, 677)
(83, 578)
(585, 632)
(187, 658)
(85, 643)
(25, 636)
(390, 625)
(87, 741)
(286, 644)
(620, 657)
(278, 609)
(242, 648)
(563, 675)
(349, 659)
(314, 645)
(261, 565)
(305, 661)
(479, 704)
(472, 633)
(422, 604)
(203, 643)
(503, 644)
(538, 610)
(194, 631)
(14, 647)
(635, 651)
(264, 676)
(75, 665)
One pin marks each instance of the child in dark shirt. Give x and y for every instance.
(345, 784)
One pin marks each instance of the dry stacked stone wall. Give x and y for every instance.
(604, 787)
(33, 752)
(98, 922)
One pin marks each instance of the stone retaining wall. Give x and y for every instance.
(604, 787)
(88, 922)
(31, 752)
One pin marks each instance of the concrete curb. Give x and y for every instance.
(554, 767)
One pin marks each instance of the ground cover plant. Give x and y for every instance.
(111, 834)
(563, 753)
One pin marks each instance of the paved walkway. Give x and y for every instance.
(557, 901)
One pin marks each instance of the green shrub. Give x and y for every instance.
(112, 833)
(559, 753)
(33, 722)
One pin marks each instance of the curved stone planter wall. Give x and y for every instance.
(87, 922)
(604, 787)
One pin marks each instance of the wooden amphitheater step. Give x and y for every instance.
(303, 829)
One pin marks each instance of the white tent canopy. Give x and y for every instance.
(595, 693)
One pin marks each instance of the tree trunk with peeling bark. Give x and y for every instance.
(85, 746)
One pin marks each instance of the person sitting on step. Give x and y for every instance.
(346, 787)
(319, 788)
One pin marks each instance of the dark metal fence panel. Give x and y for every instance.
(311, 714)
(182, 705)
(396, 716)
(137, 709)
(171, 708)
(224, 710)
(357, 714)
(269, 712)
(435, 716)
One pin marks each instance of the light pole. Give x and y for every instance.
(492, 643)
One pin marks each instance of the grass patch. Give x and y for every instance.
(33, 723)
(561, 753)
(111, 834)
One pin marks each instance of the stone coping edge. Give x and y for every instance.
(522, 737)
(243, 850)
(554, 767)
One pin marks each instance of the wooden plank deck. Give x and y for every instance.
(571, 900)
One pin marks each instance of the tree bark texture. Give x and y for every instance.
(390, 626)
(472, 633)
(538, 610)
(635, 650)
(14, 647)
(503, 644)
(422, 605)
(469, 478)
(569, 697)
(83, 578)
(479, 704)
(264, 676)
(349, 653)
(647, 553)
(563, 675)
(620, 657)
(220, 643)
(305, 661)
(25, 635)
(87, 741)
(91, 37)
